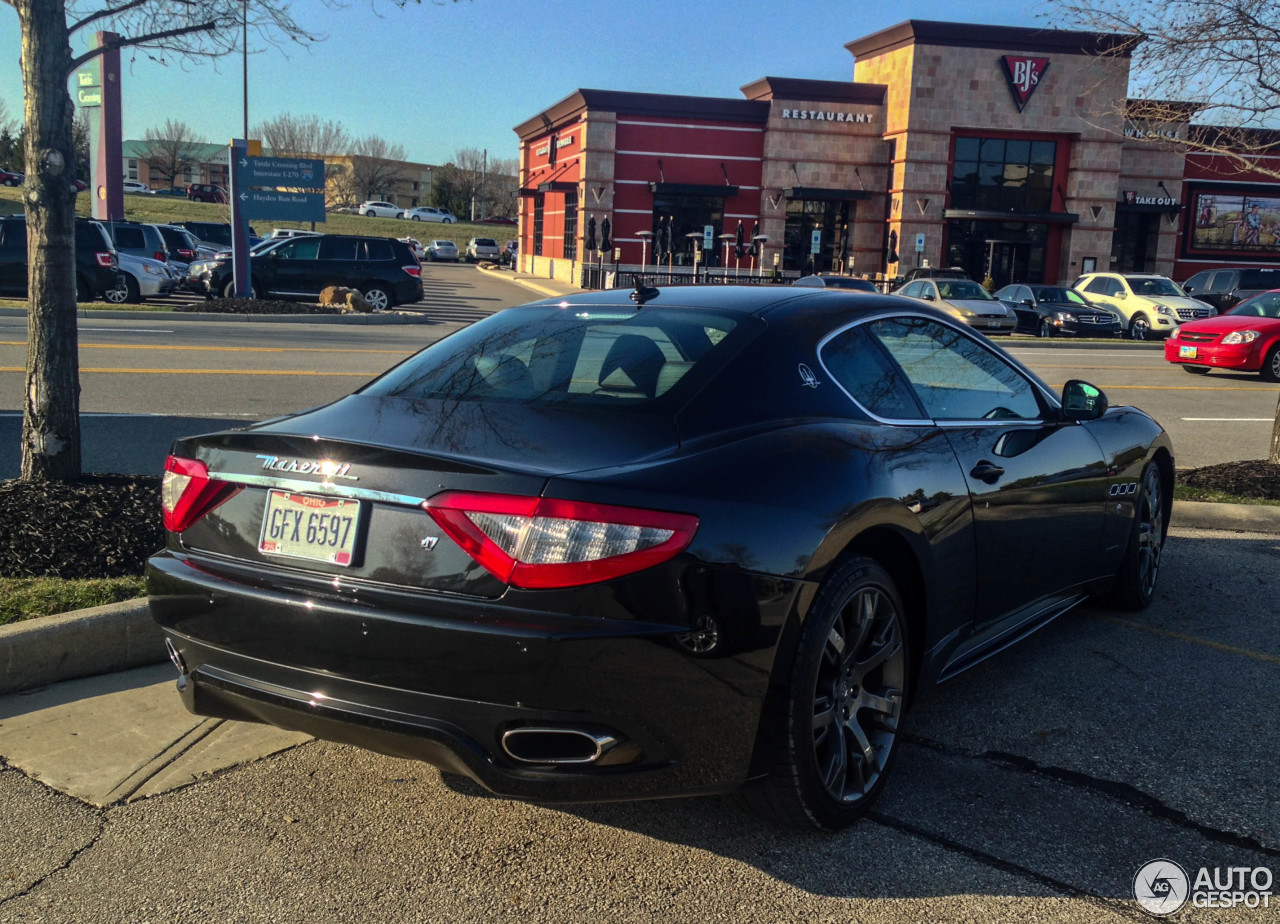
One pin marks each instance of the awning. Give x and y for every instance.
(1122, 206)
(823, 193)
(1058, 217)
(558, 186)
(692, 189)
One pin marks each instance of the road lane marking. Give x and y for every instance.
(1194, 639)
(217, 349)
(125, 330)
(314, 372)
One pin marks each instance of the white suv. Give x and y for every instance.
(1149, 305)
(483, 248)
(376, 208)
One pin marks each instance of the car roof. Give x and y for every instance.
(742, 300)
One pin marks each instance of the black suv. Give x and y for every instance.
(933, 272)
(383, 269)
(96, 262)
(1225, 288)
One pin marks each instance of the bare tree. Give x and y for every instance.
(307, 136)
(473, 178)
(172, 149)
(163, 30)
(1215, 60)
(375, 168)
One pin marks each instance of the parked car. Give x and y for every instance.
(536, 552)
(1227, 287)
(483, 248)
(215, 233)
(1048, 311)
(182, 246)
(169, 191)
(139, 278)
(934, 272)
(834, 281)
(12, 178)
(427, 213)
(416, 246)
(1245, 339)
(965, 300)
(1149, 305)
(133, 186)
(446, 251)
(206, 192)
(383, 270)
(275, 233)
(138, 238)
(196, 275)
(96, 259)
(377, 209)
(510, 250)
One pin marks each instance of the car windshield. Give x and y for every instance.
(962, 288)
(1155, 285)
(606, 358)
(1058, 294)
(1266, 305)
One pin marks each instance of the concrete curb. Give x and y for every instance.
(1240, 518)
(99, 640)
(112, 638)
(548, 287)
(393, 318)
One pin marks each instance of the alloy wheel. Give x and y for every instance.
(1139, 328)
(1150, 531)
(378, 299)
(118, 294)
(858, 694)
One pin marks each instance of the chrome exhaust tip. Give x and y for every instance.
(561, 746)
(175, 656)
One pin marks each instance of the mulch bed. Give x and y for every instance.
(1254, 478)
(256, 306)
(99, 526)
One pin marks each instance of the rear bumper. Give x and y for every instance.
(444, 685)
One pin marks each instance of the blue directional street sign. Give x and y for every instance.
(281, 205)
(291, 172)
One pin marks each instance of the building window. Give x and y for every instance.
(689, 215)
(831, 219)
(538, 201)
(1003, 175)
(571, 225)
(133, 169)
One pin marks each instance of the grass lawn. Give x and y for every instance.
(1206, 495)
(28, 598)
(176, 209)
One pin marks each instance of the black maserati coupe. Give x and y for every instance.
(673, 541)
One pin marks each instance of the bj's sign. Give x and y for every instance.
(1024, 75)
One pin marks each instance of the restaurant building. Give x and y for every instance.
(1005, 151)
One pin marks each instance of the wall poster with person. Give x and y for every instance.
(1235, 221)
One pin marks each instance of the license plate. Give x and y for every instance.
(310, 527)
(1187, 352)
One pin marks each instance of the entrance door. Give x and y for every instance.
(1014, 261)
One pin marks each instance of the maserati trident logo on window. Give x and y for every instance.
(1024, 75)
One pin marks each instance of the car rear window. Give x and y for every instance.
(600, 358)
(130, 238)
(379, 250)
(1260, 279)
(486, 242)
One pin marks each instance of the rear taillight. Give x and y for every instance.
(187, 492)
(160, 255)
(414, 270)
(187, 255)
(542, 542)
(104, 259)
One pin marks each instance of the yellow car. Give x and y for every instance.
(1149, 305)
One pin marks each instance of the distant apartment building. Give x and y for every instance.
(400, 182)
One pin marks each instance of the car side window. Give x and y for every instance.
(912, 290)
(953, 376)
(337, 248)
(1221, 283)
(862, 368)
(379, 250)
(1097, 286)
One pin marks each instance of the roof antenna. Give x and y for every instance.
(644, 294)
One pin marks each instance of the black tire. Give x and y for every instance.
(1195, 370)
(417, 218)
(448, 221)
(124, 292)
(1270, 370)
(379, 298)
(1046, 328)
(1135, 582)
(1139, 327)
(835, 722)
(371, 214)
(229, 290)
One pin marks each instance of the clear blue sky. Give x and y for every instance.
(444, 76)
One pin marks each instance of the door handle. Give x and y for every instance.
(986, 471)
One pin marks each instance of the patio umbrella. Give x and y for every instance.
(605, 227)
(755, 245)
(740, 248)
(893, 248)
(590, 242)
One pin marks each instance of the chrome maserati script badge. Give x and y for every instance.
(326, 467)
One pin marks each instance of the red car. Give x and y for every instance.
(1246, 338)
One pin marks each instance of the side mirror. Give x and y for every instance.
(927, 297)
(1082, 401)
(1030, 302)
(1121, 294)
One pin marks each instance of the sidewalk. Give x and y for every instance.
(100, 719)
(547, 288)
